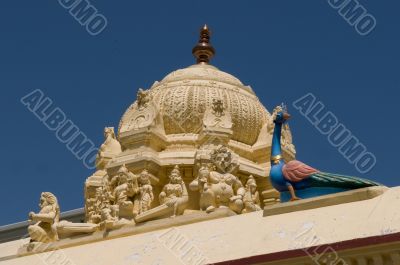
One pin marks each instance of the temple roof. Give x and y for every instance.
(362, 229)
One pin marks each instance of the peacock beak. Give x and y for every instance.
(286, 116)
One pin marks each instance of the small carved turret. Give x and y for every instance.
(204, 51)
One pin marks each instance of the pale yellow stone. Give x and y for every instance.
(326, 200)
(241, 236)
(184, 120)
(45, 224)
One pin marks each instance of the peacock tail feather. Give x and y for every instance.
(323, 179)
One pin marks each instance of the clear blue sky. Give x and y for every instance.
(283, 49)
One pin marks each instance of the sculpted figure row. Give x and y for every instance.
(121, 199)
(127, 198)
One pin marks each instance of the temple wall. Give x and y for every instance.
(245, 236)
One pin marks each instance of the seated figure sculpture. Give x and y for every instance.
(45, 228)
(103, 213)
(122, 196)
(219, 188)
(251, 197)
(175, 194)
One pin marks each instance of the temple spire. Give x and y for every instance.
(204, 51)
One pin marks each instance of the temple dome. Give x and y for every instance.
(183, 96)
(202, 72)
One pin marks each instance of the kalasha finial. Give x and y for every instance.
(204, 51)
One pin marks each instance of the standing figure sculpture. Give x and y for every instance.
(200, 184)
(175, 194)
(45, 228)
(173, 198)
(219, 188)
(146, 196)
(251, 197)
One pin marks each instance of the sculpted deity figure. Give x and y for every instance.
(143, 98)
(173, 199)
(99, 207)
(146, 195)
(217, 117)
(45, 228)
(251, 197)
(104, 210)
(126, 187)
(174, 194)
(218, 187)
(201, 184)
(93, 207)
(218, 107)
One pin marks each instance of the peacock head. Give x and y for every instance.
(280, 114)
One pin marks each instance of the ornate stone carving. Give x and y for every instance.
(120, 198)
(45, 228)
(144, 113)
(217, 186)
(218, 108)
(223, 159)
(101, 210)
(146, 195)
(216, 116)
(251, 197)
(92, 185)
(124, 187)
(92, 208)
(173, 199)
(183, 104)
(143, 99)
(109, 149)
(175, 194)
(193, 114)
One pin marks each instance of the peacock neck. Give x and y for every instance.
(276, 140)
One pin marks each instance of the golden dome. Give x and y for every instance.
(183, 96)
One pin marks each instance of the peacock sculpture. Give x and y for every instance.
(295, 180)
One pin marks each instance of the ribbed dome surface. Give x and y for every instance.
(184, 95)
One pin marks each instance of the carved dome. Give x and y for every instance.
(183, 96)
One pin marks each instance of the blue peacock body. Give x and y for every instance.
(295, 180)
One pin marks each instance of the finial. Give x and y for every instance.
(204, 51)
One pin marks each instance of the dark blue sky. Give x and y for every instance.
(283, 49)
